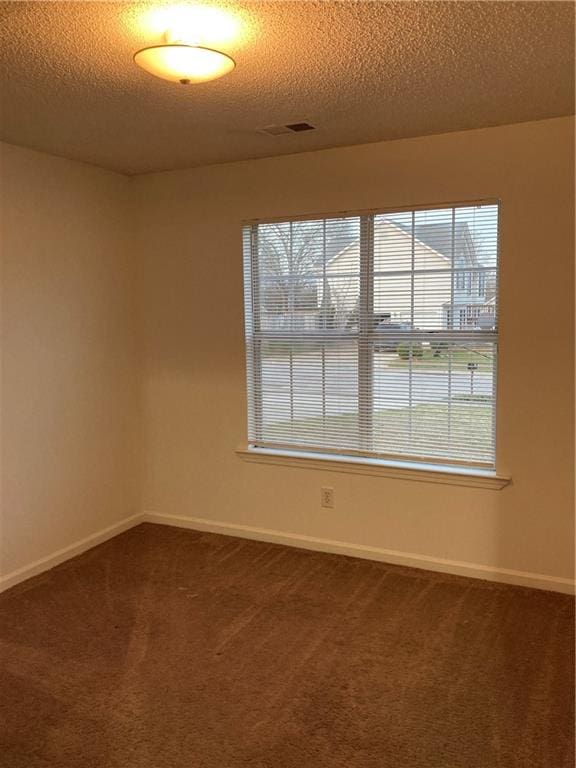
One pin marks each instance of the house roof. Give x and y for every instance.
(438, 236)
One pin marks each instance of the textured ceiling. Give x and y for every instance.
(359, 71)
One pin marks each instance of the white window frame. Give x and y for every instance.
(347, 462)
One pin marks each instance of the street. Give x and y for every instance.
(393, 387)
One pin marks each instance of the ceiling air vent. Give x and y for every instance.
(297, 127)
(278, 130)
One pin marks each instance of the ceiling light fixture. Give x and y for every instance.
(183, 62)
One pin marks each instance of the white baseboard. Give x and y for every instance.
(502, 575)
(473, 570)
(39, 566)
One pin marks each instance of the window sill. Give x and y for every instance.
(426, 473)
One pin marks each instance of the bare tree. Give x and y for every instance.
(292, 257)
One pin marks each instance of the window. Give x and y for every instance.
(359, 342)
(481, 284)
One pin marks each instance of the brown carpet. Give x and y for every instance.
(166, 648)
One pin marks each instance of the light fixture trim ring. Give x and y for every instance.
(187, 46)
(183, 45)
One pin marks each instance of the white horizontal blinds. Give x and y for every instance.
(376, 334)
(435, 334)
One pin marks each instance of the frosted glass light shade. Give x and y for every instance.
(184, 63)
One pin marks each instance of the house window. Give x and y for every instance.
(358, 342)
(481, 285)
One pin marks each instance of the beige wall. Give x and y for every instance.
(190, 246)
(69, 388)
(71, 371)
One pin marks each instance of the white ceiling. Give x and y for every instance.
(359, 71)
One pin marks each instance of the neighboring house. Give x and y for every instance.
(469, 286)
(441, 300)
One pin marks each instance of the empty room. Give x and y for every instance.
(287, 384)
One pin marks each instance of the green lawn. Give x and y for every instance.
(435, 426)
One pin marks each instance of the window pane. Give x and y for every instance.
(310, 393)
(393, 242)
(435, 400)
(308, 274)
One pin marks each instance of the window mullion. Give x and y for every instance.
(365, 323)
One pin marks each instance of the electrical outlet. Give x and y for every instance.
(327, 497)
